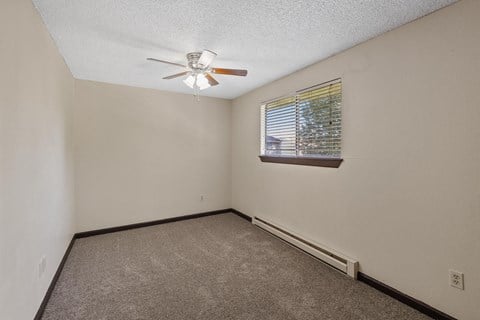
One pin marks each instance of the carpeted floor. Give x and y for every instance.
(217, 267)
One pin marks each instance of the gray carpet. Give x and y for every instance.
(217, 267)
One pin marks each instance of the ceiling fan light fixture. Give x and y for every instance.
(190, 81)
(202, 82)
(197, 81)
(198, 69)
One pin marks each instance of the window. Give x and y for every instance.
(305, 127)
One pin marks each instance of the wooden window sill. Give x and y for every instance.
(304, 161)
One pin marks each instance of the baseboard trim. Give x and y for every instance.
(149, 223)
(241, 215)
(48, 294)
(392, 292)
(406, 299)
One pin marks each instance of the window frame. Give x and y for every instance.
(319, 161)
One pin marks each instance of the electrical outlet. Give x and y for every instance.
(456, 279)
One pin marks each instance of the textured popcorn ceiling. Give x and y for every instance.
(108, 40)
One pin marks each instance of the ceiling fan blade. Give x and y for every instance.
(206, 58)
(233, 72)
(167, 62)
(177, 75)
(211, 80)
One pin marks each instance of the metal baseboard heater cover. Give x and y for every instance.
(327, 255)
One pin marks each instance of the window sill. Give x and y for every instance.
(304, 161)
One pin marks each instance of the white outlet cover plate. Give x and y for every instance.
(456, 279)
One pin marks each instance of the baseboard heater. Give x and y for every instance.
(329, 256)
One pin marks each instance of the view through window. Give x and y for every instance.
(305, 124)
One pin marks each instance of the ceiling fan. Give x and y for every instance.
(199, 69)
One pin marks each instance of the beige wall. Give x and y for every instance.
(406, 200)
(36, 206)
(143, 154)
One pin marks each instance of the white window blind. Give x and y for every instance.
(305, 124)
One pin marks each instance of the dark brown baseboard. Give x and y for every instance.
(48, 294)
(406, 299)
(241, 215)
(412, 302)
(392, 292)
(149, 223)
